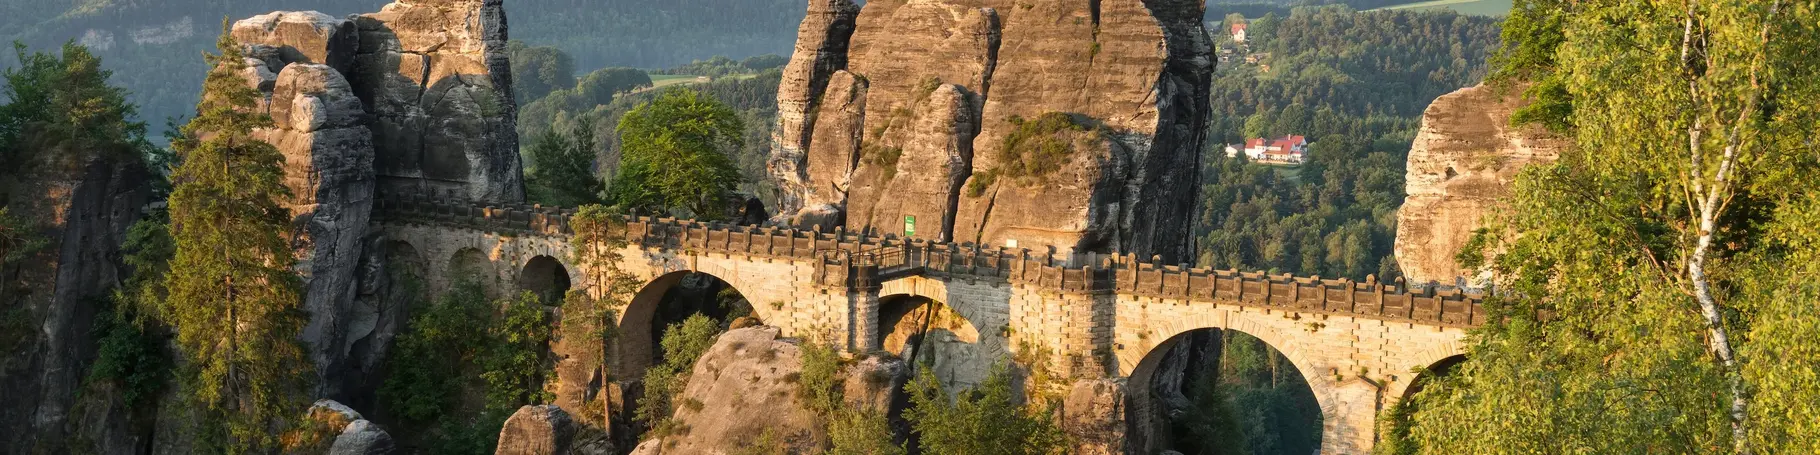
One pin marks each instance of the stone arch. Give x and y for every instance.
(470, 265)
(636, 342)
(927, 330)
(545, 276)
(1426, 374)
(1148, 428)
(1438, 359)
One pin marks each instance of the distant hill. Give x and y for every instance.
(155, 46)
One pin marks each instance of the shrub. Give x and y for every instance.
(683, 343)
(1040, 147)
(981, 420)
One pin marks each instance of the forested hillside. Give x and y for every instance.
(1355, 84)
(156, 45)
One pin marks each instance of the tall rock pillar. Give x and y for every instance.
(821, 50)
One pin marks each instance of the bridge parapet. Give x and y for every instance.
(850, 259)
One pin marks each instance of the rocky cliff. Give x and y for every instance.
(46, 347)
(1463, 161)
(408, 98)
(947, 131)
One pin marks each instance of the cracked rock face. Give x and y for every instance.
(1464, 160)
(821, 51)
(435, 77)
(320, 128)
(947, 78)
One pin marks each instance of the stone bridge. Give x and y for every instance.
(1358, 344)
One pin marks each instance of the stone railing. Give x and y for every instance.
(848, 259)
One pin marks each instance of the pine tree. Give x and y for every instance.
(234, 299)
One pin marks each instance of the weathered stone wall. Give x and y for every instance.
(1465, 158)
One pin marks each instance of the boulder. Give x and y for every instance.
(1464, 160)
(362, 438)
(753, 372)
(537, 430)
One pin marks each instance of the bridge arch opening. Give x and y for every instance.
(667, 301)
(470, 265)
(546, 277)
(1211, 390)
(923, 330)
(1400, 415)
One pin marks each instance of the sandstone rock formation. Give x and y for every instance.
(1093, 414)
(329, 169)
(536, 430)
(435, 76)
(84, 216)
(752, 372)
(948, 82)
(821, 50)
(413, 97)
(1463, 161)
(353, 434)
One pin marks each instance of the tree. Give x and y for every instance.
(539, 70)
(676, 152)
(234, 298)
(985, 419)
(601, 85)
(62, 112)
(589, 314)
(1637, 311)
(561, 171)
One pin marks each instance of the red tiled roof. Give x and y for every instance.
(1238, 28)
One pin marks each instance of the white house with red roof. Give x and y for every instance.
(1238, 33)
(1287, 149)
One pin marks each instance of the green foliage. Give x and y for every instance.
(234, 300)
(985, 419)
(441, 360)
(683, 343)
(819, 385)
(1533, 35)
(539, 70)
(754, 98)
(430, 364)
(62, 113)
(1599, 341)
(130, 353)
(884, 157)
(1037, 148)
(601, 85)
(516, 359)
(1355, 84)
(981, 181)
(18, 239)
(721, 66)
(676, 152)
(560, 169)
(862, 432)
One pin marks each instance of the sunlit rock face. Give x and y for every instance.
(1464, 160)
(435, 77)
(949, 81)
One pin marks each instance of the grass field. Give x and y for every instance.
(1475, 7)
(666, 80)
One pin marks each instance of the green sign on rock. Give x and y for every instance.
(910, 226)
